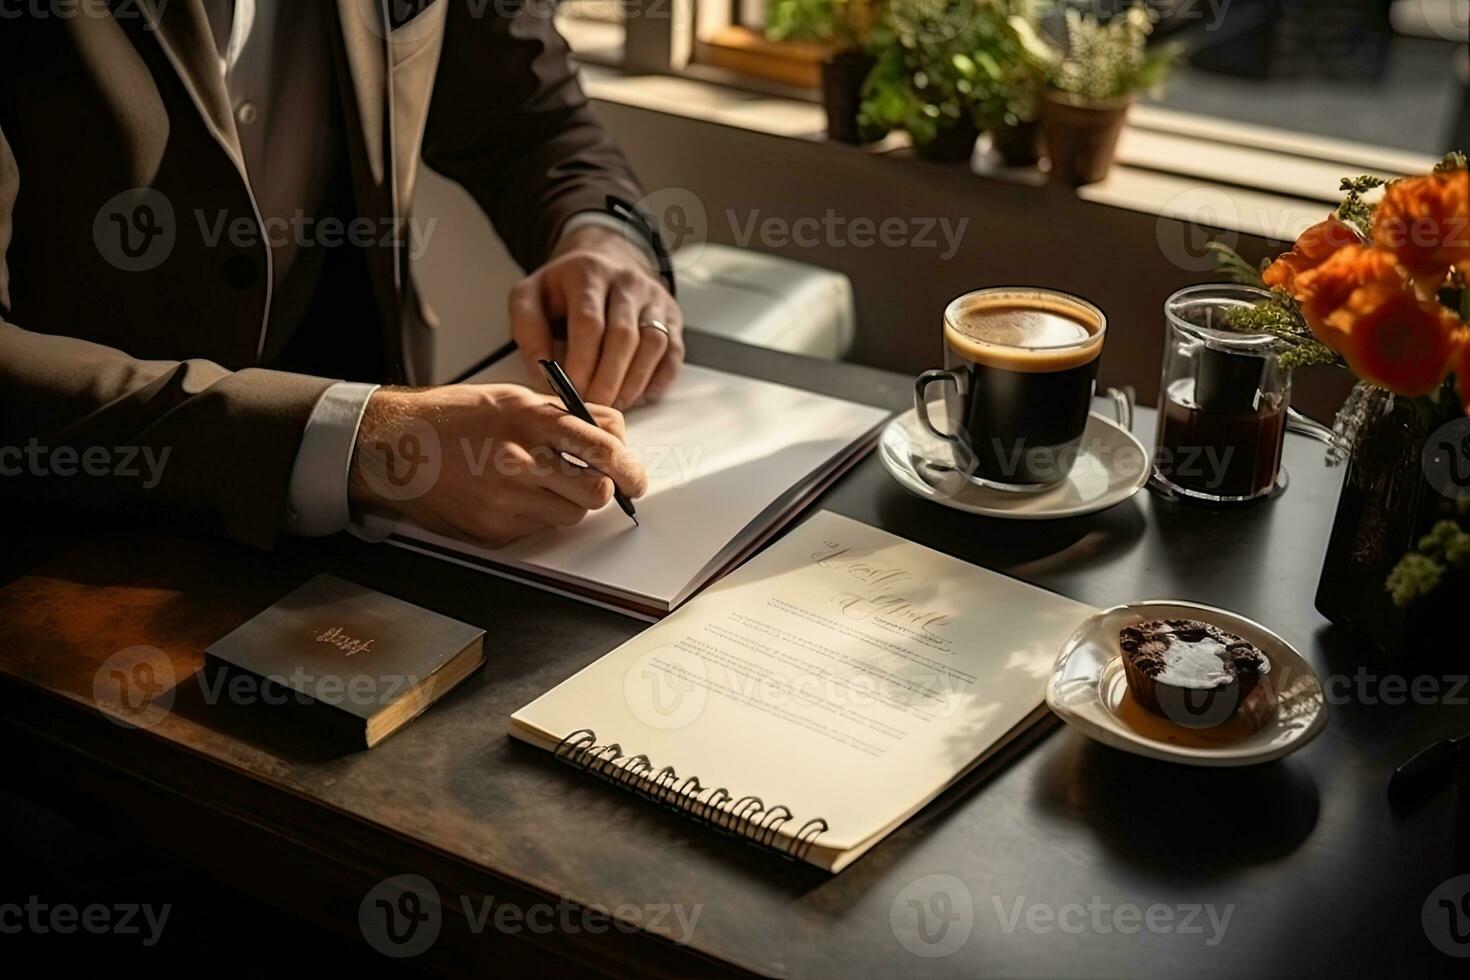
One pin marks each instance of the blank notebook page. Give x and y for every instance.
(719, 450)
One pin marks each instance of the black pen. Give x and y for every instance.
(563, 388)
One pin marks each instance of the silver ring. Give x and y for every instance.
(658, 325)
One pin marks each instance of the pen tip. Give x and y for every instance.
(635, 523)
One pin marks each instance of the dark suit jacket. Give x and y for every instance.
(122, 326)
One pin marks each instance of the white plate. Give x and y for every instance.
(1089, 692)
(1111, 467)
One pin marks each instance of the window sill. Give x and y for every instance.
(748, 53)
(1238, 177)
(593, 42)
(693, 99)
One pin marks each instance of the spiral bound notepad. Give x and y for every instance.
(815, 699)
(744, 816)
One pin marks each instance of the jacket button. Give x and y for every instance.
(240, 272)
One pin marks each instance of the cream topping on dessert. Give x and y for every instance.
(1194, 663)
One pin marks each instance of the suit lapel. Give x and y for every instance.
(184, 32)
(363, 40)
(366, 96)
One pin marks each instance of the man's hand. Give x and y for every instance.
(602, 285)
(485, 462)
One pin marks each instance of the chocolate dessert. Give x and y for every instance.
(1191, 673)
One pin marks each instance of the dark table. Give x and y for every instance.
(1066, 862)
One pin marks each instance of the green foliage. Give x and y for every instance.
(1354, 210)
(1280, 318)
(1414, 577)
(1453, 160)
(1106, 62)
(1449, 541)
(1358, 186)
(801, 20)
(845, 22)
(943, 63)
(1229, 264)
(1023, 63)
(1419, 573)
(901, 93)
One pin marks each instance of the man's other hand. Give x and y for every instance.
(486, 462)
(602, 285)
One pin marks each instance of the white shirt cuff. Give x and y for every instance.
(601, 219)
(317, 500)
(371, 526)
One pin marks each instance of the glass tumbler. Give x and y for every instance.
(1223, 400)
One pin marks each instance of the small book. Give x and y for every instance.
(366, 663)
(816, 698)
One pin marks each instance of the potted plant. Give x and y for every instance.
(1093, 84)
(1381, 289)
(901, 94)
(846, 25)
(1024, 61)
(938, 69)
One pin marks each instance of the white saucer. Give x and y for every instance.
(1111, 467)
(1088, 691)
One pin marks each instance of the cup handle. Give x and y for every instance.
(921, 400)
(1123, 400)
(1308, 426)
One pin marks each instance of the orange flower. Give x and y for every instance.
(1361, 304)
(1313, 247)
(1425, 223)
(1395, 339)
(1321, 291)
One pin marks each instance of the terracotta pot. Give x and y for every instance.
(1081, 137)
(843, 75)
(1018, 146)
(953, 145)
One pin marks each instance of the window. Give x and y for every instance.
(1389, 73)
(734, 39)
(1392, 76)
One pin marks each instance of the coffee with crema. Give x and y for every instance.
(1020, 367)
(1025, 337)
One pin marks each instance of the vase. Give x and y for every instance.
(954, 144)
(1081, 137)
(1387, 504)
(843, 75)
(1018, 145)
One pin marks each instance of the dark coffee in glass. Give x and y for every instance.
(1020, 366)
(1223, 400)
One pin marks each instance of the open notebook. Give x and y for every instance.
(820, 695)
(730, 461)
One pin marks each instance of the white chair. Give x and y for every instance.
(464, 274)
(765, 300)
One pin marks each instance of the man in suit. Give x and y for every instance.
(205, 222)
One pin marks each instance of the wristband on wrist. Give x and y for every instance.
(647, 229)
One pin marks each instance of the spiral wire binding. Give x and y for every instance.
(746, 817)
